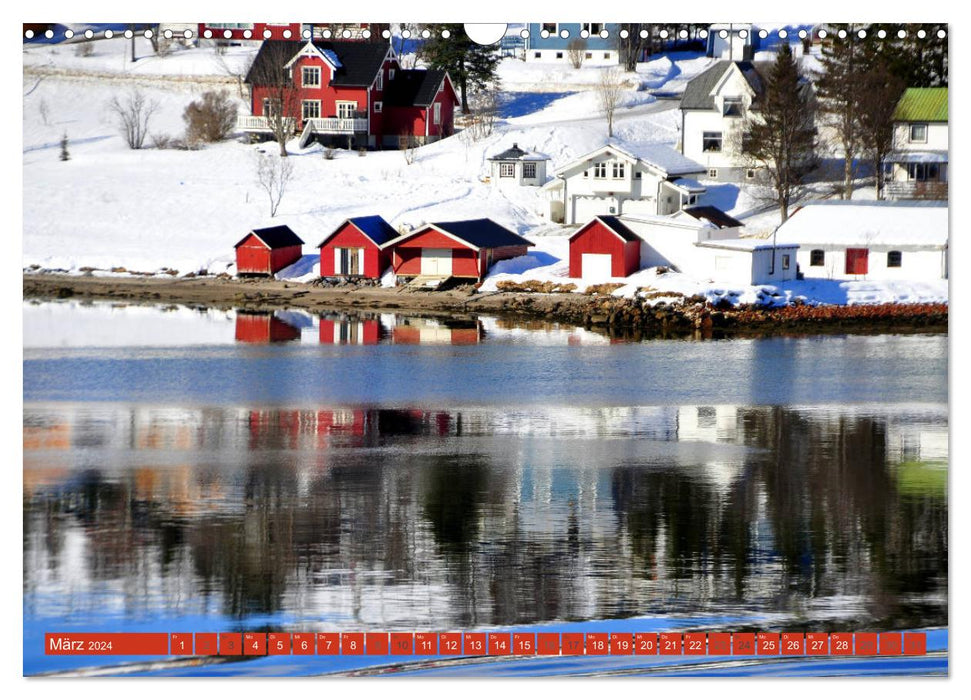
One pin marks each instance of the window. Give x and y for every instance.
(507, 170)
(593, 27)
(559, 54)
(600, 170)
(589, 54)
(270, 107)
(733, 107)
(618, 173)
(529, 171)
(894, 258)
(391, 74)
(607, 55)
(380, 83)
(785, 262)
(817, 258)
(856, 261)
(310, 109)
(923, 171)
(918, 133)
(346, 110)
(437, 118)
(310, 76)
(750, 174)
(378, 106)
(637, 175)
(548, 27)
(711, 141)
(537, 54)
(713, 173)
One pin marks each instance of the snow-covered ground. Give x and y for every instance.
(111, 207)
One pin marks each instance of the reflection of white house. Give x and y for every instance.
(514, 165)
(622, 178)
(700, 248)
(847, 239)
(918, 163)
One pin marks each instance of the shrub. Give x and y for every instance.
(210, 119)
(605, 289)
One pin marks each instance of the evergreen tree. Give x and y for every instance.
(839, 87)
(64, 154)
(471, 66)
(881, 85)
(781, 137)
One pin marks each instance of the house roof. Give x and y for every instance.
(516, 153)
(698, 92)
(479, 233)
(907, 225)
(922, 105)
(358, 61)
(614, 224)
(714, 215)
(414, 88)
(274, 237)
(916, 157)
(374, 227)
(662, 158)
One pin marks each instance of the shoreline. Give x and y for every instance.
(629, 318)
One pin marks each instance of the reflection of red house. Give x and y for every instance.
(350, 331)
(415, 331)
(253, 31)
(455, 249)
(263, 328)
(604, 247)
(354, 248)
(265, 251)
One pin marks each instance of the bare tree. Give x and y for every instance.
(408, 146)
(273, 174)
(609, 91)
(134, 112)
(483, 112)
(210, 118)
(270, 78)
(633, 45)
(575, 51)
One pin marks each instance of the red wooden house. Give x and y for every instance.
(455, 249)
(604, 247)
(338, 92)
(252, 31)
(266, 251)
(263, 328)
(354, 249)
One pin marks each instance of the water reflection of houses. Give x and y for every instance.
(429, 331)
(255, 327)
(351, 330)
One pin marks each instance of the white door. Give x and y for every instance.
(436, 261)
(595, 265)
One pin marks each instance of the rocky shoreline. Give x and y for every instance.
(635, 318)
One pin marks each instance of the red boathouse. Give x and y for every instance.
(266, 251)
(604, 247)
(354, 249)
(455, 249)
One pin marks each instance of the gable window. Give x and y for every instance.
(593, 27)
(507, 170)
(378, 107)
(817, 258)
(600, 170)
(548, 27)
(310, 109)
(894, 258)
(733, 107)
(918, 133)
(437, 117)
(618, 170)
(346, 110)
(711, 141)
(379, 85)
(310, 76)
(529, 171)
(923, 171)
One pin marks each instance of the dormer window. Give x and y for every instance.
(733, 107)
(618, 170)
(600, 170)
(310, 76)
(918, 133)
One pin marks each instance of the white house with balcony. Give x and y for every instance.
(623, 178)
(917, 166)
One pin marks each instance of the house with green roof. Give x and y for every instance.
(917, 166)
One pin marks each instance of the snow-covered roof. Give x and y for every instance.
(517, 153)
(689, 185)
(745, 244)
(916, 157)
(662, 158)
(867, 223)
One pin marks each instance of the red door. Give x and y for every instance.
(856, 261)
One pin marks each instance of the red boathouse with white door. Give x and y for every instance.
(354, 249)
(604, 247)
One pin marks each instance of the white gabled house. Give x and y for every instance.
(623, 178)
(917, 166)
(872, 240)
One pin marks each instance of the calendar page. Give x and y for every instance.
(442, 350)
